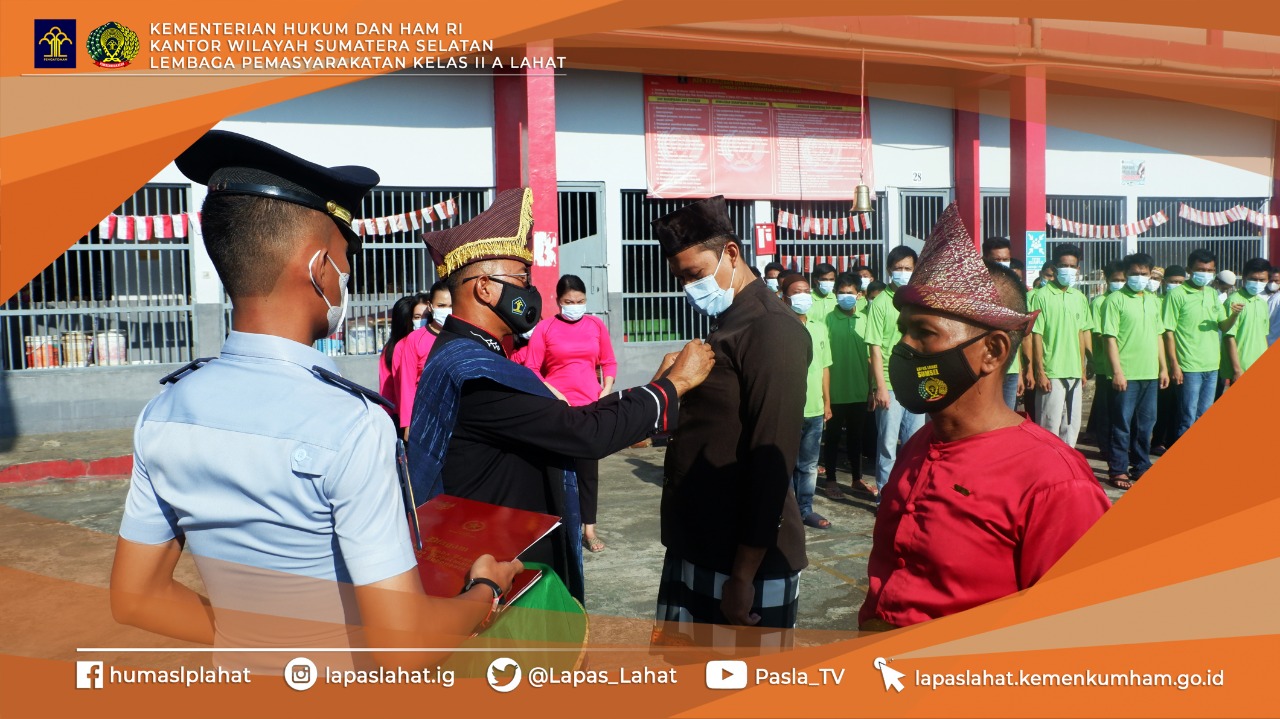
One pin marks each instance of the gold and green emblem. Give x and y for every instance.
(112, 45)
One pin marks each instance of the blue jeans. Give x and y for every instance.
(1133, 416)
(805, 477)
(1197, 394)
(1011, 390)
(894, 425)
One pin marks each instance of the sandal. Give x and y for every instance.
(593, 545)
(817, 521)
(872, 490)
(832, 491)
(1121, 481)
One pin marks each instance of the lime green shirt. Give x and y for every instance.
(1134, 320)
(1064, 314)
(1250, 328)
(1192, 316)
(850, 359)
(1101, 363)
(822, 306)
(814, 406)
(882, 328)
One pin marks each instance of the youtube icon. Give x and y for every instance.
(728, 674)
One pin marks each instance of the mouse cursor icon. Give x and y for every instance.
(892, 677)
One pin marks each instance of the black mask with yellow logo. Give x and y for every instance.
(930, 382)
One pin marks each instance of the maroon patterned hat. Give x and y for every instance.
(502, 232)
(951, 277)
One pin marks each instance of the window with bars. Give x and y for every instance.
(390, 266)
(653, 302)
(802, 252)
(107, 301)
(1170, 243)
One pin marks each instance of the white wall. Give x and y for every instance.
(600, 138)
(910, 144)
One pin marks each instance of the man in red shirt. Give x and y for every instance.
(981, 503)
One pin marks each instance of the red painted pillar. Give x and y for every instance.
(1027, 117)
(1273, 207)
(524, 150)
(965, 161)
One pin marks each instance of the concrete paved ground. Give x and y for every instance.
(621, 581)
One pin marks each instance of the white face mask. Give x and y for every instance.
(801, 303)
(825, 287)
(440, 314)
(1006, 263)
(1153, 285)
(573, 313)
(771, 283)
(1273, 287)
(901, 277)
(337, 314)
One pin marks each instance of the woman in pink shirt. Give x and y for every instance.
(405, 314)
(411, 354)
(572, 353)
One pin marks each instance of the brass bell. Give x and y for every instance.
(861, 199)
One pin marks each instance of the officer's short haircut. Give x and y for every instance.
(251, 238)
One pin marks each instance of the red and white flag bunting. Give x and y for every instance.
(1104, 232)
(146, 228)
(824, 225)
(1226, 217)
(842, 263)
(409, 221)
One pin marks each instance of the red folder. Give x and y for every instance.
(456, 532)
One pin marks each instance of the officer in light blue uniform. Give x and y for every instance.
(278, 474)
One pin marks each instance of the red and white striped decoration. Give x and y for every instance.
(146, 228)
(824, 225)
(409, 221)
(1226, 217)
(1105, 232)
(806, 263)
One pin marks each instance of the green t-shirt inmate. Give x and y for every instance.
(850, 363)
(1192, 316)
(882, 328)
(1101, 362)
(1250, 328)
(1134, 320)
(813, 404)
(822, 305)
(1064, 314)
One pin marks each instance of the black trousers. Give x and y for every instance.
(588, 488)
(849, 419)
(1167, 404)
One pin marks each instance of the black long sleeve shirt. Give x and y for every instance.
(730, 462)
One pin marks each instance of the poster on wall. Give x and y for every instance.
(753, 142)
(1133, 173)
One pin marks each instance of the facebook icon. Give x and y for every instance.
(88, 675)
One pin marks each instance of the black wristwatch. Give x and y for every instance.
(497, 591)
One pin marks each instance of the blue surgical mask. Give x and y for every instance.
(1255, 287)
(771, 283)
(801, 303)
(1115, 286)
(421, 322)
(825, 287)
(847, 302)
(1137, 283)
(1201, 278)
(901, 277)
(1066, 276)
(573, 313)
(707, 296)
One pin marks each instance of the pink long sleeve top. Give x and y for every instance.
(407, 361)
(567, 354)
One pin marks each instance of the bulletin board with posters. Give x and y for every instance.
(753, 142)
